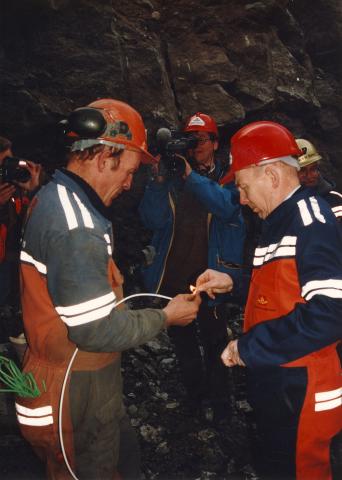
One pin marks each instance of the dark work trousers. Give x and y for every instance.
(198, 347)
(277, 396)
(104, 439)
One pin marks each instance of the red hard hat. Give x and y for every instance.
(119, 124)
(200, 122)
(258, 142)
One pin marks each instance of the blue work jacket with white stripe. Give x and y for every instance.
(295, 297)
(67, 251)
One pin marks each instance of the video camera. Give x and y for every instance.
(173, 143)
(12, 170)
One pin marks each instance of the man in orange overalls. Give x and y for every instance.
(70, 287)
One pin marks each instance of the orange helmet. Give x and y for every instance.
(200, 122)
(108, 122)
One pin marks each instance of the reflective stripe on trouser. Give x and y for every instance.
(93, 422)
(321, 416)
(38, 419)
(298, 412)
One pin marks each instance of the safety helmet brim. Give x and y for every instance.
(146, 157)
(125, 126)
(261, 141)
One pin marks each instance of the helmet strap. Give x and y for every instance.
(81, 145)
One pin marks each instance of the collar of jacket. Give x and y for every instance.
(71, 179)
(324, 186)
(215, 173)
(282, 212)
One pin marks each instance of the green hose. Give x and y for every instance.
(23, 384)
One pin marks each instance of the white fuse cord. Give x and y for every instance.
(60, 411)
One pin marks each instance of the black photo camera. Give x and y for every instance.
(12, 170)
(170, 144)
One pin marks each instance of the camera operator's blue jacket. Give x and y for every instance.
(226, 228)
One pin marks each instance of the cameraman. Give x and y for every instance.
(14, 199)
(196, 224)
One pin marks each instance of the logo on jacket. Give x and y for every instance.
(261, 300)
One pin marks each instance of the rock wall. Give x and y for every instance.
(237, 60)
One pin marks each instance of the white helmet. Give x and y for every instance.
(310, 154)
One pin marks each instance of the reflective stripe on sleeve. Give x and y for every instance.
(337, 211)
(336, 193)
(330, 288)
(109, 246)
(88, 317)
(25, 257)
(88, 311)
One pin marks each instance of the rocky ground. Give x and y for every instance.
(174, 444)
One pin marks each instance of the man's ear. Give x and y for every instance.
(101, 159)
(273, 175)
(216, 145)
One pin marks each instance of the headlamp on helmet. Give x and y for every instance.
(107, 122)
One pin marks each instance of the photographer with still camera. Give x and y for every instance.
(19, 178)
(195, 224)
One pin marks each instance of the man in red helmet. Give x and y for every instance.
(197, 224)
(292, 327)
(70, 286)
(204, 129)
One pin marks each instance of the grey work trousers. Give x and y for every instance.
(105, 442)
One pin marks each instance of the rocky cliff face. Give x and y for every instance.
(237, 60)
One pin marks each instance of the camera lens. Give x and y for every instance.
(13, 170)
